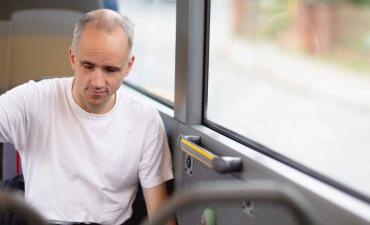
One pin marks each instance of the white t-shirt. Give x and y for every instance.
(79, 166)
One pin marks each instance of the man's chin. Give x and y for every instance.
(96, 102)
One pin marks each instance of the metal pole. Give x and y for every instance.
(222, 191)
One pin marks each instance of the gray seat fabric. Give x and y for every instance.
(5, 38)
(7, 7)
(39, 44)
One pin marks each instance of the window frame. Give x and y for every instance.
(191, 88)
(260, 147)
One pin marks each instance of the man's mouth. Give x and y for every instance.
(98, 93)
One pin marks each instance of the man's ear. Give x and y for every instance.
(72, 58)
(130, 63)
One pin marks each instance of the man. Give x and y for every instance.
(84, 142)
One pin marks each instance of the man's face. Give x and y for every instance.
(99, 64)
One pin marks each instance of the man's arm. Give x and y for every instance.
(154, 198)
(15, 108)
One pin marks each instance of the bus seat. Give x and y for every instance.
(7, 7)
(5, 35)
(40, 42)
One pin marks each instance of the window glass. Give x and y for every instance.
(154, 45)
(294, 76)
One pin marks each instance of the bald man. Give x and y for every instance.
(84, 142)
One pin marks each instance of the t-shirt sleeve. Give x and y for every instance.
(155, 165)
(14, 114)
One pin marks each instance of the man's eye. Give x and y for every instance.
(111, 69)
(88, 66)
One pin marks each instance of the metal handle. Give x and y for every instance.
(231, 191)
(221, 164)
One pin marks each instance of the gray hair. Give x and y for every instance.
(105, 20)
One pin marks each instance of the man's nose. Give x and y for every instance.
(97, 79)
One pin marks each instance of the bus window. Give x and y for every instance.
(154, 45)
(294, 77)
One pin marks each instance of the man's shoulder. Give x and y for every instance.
(54, 81)
(56, 84)
(39, 87)
(136, 104)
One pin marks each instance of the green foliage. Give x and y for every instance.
(360, 2)
(279, 17)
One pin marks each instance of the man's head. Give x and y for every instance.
(105, 20)
(100, 57)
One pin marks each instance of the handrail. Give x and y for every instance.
(221, 164)
(232, 191)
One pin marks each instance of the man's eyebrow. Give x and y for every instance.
(109, 67)
(116, 68)
(86, 62)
